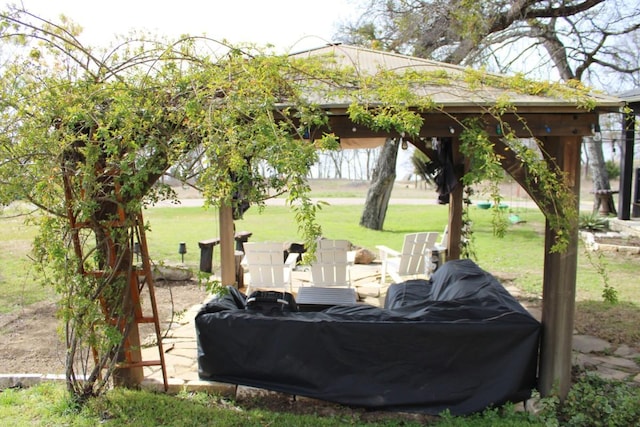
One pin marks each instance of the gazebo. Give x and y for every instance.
(560, 125)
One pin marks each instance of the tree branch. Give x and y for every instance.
(562, 11)
(554, 47)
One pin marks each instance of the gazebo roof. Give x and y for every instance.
(631, 96)
(454, 93)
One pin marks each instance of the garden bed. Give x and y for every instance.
(611, 241)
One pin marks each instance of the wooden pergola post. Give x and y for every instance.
(559, 283)
(227, 248)
(456, 205)
(625, 200)
(560, 269)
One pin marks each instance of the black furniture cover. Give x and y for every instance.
(457, 341)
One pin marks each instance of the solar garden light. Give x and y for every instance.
(182, 249)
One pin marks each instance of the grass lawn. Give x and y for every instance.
(48, 405)
(19, 285)
(517, 257)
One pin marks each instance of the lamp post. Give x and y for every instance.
(182, 249)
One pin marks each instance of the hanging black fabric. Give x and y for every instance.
(446, 179)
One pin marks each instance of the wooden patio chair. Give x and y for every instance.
(410, 262)
(332, 265)
(268, 269)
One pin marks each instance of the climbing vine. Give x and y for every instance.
(599, 263)
(86, 137)
(484, 166)
(543, 177)
(390, 106)
(467, 239)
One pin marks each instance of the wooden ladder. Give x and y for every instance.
(139, 277)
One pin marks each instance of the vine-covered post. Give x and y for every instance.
(227, 251)
(625, 203)
(559, 282)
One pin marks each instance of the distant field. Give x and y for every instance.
(341, 188)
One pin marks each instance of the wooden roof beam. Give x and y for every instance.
(440, 125)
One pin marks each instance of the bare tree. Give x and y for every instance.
(375, 208)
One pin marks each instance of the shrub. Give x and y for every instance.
(592, 402)
(593, 222)
(613, 169)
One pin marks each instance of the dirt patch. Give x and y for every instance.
(277, 402)
(31, 342)
(616, 323)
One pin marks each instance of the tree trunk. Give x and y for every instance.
(603, 196)
(379, 193)
(336, 158)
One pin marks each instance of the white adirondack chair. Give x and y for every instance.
(332, 264)
(267, 266)
(411, 262)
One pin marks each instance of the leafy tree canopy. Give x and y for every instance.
(145, 105)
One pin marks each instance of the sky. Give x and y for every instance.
(290, 25)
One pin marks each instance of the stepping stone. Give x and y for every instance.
(611, 374)
(584, 361)
(590, 344)
(247, 392)
(617, 362)
(623, 351)
(171, 273)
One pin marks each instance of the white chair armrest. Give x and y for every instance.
(292, 259)
(386, 251)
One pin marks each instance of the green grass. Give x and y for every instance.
(169, 226)
(19, 284)
(519, 256)
(592, 401)
(48, 405)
